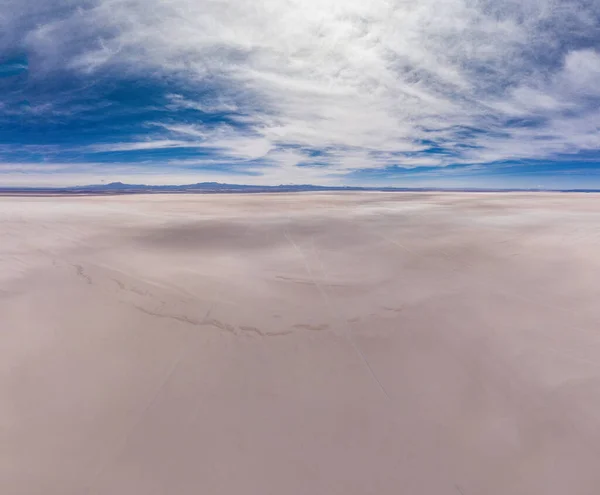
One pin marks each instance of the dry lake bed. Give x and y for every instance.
(294, 344)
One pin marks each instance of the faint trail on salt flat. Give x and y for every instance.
(336, 313)
(176, 363)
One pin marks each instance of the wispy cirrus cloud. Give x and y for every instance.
(317, 90)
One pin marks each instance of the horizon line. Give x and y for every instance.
(128, 188)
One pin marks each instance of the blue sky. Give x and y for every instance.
(449, 93)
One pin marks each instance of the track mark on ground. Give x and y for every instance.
(81, 273)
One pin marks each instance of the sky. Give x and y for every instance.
(444, 93)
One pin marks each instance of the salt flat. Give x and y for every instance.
(360, 343)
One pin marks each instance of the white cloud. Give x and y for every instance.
(142, 145)
(365, 81)
(219, 104)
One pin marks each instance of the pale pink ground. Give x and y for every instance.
(300, 344)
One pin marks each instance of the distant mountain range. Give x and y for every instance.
(217, 187)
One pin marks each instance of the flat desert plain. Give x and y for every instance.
(354, 343)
